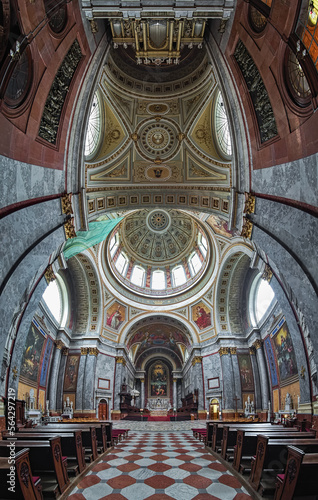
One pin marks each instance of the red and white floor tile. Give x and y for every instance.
(159, 466)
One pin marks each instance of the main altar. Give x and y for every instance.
(158, 406)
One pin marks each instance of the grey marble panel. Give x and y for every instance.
(89, 382)
(22, 181)
(80, 383)
(297, 180)
(60, 383)
(237, 381)
(228, 382)
(23, 228)
(257, 383)
(53, 378)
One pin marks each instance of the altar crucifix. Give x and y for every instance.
(236, 399)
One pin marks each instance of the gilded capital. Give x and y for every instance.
(84, 351)
(175, 380)
(233, 350)
(49, 274)
(267, 273)
(64, 351)
(196, 359)
(249, 207)
(247, 228)
(66, 204)
(93, 351)
(142, 380)
(257, 344)
(120, 359)
(223, 350)
(59, 344)
(252, 350)
(69, 229)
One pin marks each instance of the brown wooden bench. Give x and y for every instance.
(217, 433)
(88, 437)
(300, 476)
(246, 443)
(46, 460)
(71, 443)
(103, 430)
(25, 485)
(270, 459)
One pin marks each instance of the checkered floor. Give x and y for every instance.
(159, 466)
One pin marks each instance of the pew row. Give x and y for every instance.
(24, 485)
(103, 430)
(217, 431)
(300, 476)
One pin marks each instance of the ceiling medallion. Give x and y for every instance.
(158, 140)
(158, 172)
(158, 220)
(158, 108)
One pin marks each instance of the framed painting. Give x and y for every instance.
(246, 371)
(285, 354)
(32, 354)
(71, 369)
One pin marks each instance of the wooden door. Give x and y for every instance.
(102, 411)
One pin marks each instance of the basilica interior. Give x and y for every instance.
(159, 209)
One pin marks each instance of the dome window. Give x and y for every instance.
(179, 276)
(138, 276)
(122, 264)
(158, 281)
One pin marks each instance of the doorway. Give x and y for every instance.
(102, 410)
(214, 409)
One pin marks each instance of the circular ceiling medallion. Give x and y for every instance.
(158, 220)
(158, 140)
(158, 108)
(158, 172)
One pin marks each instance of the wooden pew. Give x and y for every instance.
(46, 460)
(246, 443)
(217, 433)
(88, 437)
(71, 443)
(272, 451)
(300, 476)
(26, 485)
(103, 430)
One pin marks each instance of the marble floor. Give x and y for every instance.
(159, 465)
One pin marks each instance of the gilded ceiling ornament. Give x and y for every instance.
(134, 137)
(249, 207)
(49, 274)
(69, 229)
(247, 228)
(94, 25)
(267, 273)
(66, 203)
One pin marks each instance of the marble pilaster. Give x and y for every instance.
(120, 364)
(198, 379)
(236, 378)
(89, 379)
(174, 393)
(80, 380)
(60, 380)
(228, 382)
(257, 381)
(263, 374)
(54, 374)
(142, 393)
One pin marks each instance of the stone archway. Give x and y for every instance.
(103, 410)
(214, 409)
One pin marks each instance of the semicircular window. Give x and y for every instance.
(20, 81)
(257, 20)
(57, 14)
(222, 129)
(53, 300)
(264, 297)
(297, 81)
(93, 133)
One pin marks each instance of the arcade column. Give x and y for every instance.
(258, 344)
(54, 374)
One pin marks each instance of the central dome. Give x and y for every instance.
(158, 252)
(158, 235)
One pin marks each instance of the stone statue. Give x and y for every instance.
(288, 402)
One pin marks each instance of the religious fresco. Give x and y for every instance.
(158, 335)
(116, 315)
(158, 375)
(45, 362)
(32, 354)
(220, 226)
(246, 372)
(71, 369)
(201, 315)
(285, 353)
(271, 360)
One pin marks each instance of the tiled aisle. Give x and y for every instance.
(159, 466)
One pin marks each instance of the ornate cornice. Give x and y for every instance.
(223, 351)
(196, 359)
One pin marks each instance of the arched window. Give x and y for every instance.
(93, 133)
(138, 276)
(263, 299)
(179, 276)
(113, 245)
(122, 264)
(222, 130)
(53, 300)
(203, 245)
(158, 281)
(195, 264)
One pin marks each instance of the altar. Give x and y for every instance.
(158, 404)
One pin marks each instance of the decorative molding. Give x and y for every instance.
(196, 359)
(52, 112)
(252, 350)
(64, 351)
(223, 351)
(267, 273)
(121, 359)
(84, 351)
(233, 350)
(59, 344)
(93, 351)
(49, 274)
